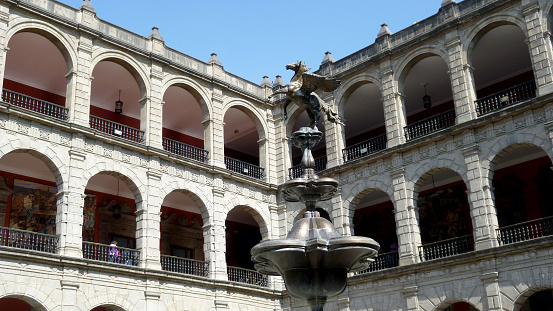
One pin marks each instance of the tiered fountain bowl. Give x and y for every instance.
(313, 259)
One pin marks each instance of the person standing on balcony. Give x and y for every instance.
(114, 252)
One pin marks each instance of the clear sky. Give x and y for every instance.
(253, 38)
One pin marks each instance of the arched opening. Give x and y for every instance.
(20, 303)
(428, 98)
(28, 189)
(502, 66)
(183, 131)
(108, 308)
(242, 233)
(523, 183)
(460, 306)
(181, 234)
(116, 81)
(108, 217)
(35, 74)
(365, 132)
(374, 218)
(241, 143)
(444, 215)
(319, 151)
(538, 301)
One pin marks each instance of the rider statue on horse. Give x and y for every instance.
(301, 90)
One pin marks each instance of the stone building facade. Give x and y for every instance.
(445, 161)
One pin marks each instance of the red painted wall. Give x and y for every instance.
(34, 92)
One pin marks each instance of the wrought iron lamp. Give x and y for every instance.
(426, 98)
(119, 105)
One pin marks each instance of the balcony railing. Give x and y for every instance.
(35, 104)
(185, 150)
(28, 240)
(507, 97)
(367, 147)
(524, 231)
(247, 276)
(244, 168)
(430, 125)
(107, 253)
(184, 265)
(296, 170)
(446, 248)
(382, 261)
(116, 129)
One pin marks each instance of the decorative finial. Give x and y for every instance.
(155, 34)
(87, 5)
(214, 60)
(446, 2)
(384, 31)
(266, 81)
(279, 82)
(328, 58)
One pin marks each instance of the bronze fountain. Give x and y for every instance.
(313, 259)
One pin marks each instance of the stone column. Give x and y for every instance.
(153, 121)
(152, 295)
(79, 84)
(540, 47)
(461, 80)
(340, 216)
(493, 293)
(70, 201)
(282, 159)
(69, 288)
(484, 218)
(333, 137)
(343, 303)
(4, 23)
(216, 124)
(407, 228)
(3, 54)
(215, 237)
(394, 111)
(148, 232)
(412, 301)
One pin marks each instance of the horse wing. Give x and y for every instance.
(312, 82)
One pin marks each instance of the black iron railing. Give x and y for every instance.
(383, 261)
(185, 150)
(430, 125)
(35, 104)
(247, 276)
(244, 168)
(184, 265)
(505, 98)
(446, 248)
(364, 148)
(296, 170)
(28, 240)
(524, 231)
(116, 129)
(113, 254)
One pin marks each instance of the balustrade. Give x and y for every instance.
(241, 275)
(184, 265)
(507, 97)
(446, 248)
(35, 104)
(185, 150)
(297, 170)
(382, 261)
(116, 129)
(430, 125)
(364, 148)
(112, 254)
(524, 231)
(28, 240)
(244, 168)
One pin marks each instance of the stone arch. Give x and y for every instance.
(525, 295)
(193, 191)
(346, 89)
(293, 116)
(253, 208)
(36, 305)
(105, 298)
(250, 111)
(426, 169)
(447, 303)
(200, 94)
(411, 59)
(127, 62)
(54, 35)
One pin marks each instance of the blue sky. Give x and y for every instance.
(257, 38)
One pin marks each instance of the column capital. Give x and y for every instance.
(491, 277)
(471, 150)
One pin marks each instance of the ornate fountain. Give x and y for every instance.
(314, 259)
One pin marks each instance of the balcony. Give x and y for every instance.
(244, 168)
(296, 170)
(107, 253)
(430, 125)
(28, 240)
(184, 265)
(246, 276)
(116, 129)
(184, 150)
(35, 104)
(505, 98)
(525, 231)
(382, 261)
(365, 148)
(446, 248)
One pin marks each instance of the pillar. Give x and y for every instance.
(215, 237)
(394, 112)
(407, 228)
(4, 22)
(216, 127)
(153, 120)
(492, 300)
(79, 84)
(333, 137)
(69, 288)
(148, 221)
(412, 301)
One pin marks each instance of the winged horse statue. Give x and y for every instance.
(300, 91)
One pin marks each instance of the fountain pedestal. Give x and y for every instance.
(314, 258)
